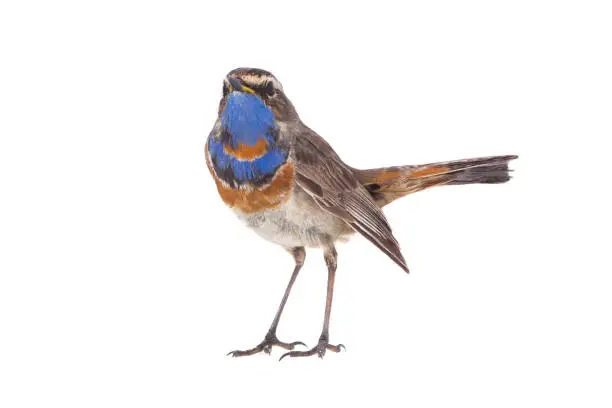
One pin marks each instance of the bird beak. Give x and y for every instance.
(236, 86)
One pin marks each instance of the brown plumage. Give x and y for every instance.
(338, 190)
(288, 185)
(387, 184)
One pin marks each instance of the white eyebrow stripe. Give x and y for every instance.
(257, 80)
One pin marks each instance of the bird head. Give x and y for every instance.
(262, 85)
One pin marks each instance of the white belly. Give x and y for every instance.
(298, 222)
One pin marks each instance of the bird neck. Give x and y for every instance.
(247, 150)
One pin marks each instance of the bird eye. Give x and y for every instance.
(269, 89)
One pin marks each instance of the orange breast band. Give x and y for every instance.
(246, 152)
(268, 197)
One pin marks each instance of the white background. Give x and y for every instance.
(124, 280)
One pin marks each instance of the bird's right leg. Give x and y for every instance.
(299, 254)
(323, 344)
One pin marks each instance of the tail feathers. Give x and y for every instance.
(487, 170)
(390, 183)
(486, 175)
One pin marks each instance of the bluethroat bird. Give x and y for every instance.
(288, 185)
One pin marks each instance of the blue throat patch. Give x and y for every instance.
(246, 120)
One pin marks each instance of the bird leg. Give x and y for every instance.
(299, 254)
(323, 344)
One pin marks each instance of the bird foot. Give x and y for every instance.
(266, 346)
(319, 349)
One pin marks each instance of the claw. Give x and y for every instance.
(319, 349)
(293, 354)
(266, 347)
(242, 353)
(296, 343)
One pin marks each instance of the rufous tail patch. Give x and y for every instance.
(428, 171)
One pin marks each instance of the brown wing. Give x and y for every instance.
(333, 186)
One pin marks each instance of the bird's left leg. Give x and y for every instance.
(323, 344)
(299, 254)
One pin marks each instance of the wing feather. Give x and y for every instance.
(334, 187)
